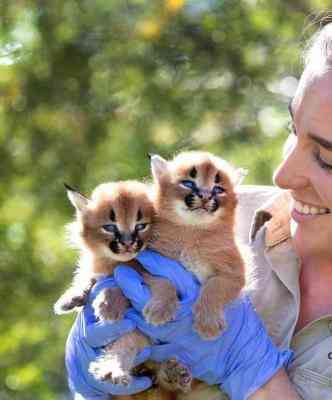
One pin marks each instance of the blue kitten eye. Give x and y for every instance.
(188, 184)
(140, 227)
(218, 190)
(110, 228)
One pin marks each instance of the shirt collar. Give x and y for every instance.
(276, 216)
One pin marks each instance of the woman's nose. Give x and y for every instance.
(291, 174)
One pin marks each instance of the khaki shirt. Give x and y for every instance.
(273, 284)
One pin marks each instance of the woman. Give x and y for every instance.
(292, 244)
(293, 250)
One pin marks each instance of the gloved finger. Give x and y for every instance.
(168, 332)
(163, 352)
(136, 385)
(101, 333)
(142, 356)
(133, 286)
(155, 332)
(102, 283)
(184, 281)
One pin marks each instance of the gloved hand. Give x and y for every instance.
(84, 344)
(241, 360)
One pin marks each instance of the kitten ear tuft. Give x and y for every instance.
(159, 166)
(239, 175)
(77, 199)
(68, 187)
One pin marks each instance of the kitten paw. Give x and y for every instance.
(109, 370)
(74, 297)
(158, 313)
(209, 325)
(68, 304)
(110, 304)
(174, 376)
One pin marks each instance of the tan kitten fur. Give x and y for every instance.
(112, 227)
(86, 233)
(204, 242)
(199, 236)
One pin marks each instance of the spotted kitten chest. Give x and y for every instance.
(193, 262)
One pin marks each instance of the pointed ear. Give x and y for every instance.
(77, 199)
(159, 166)
(239, 175)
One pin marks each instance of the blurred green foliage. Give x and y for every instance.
(86, 90)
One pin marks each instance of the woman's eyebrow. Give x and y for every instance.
(322, 142)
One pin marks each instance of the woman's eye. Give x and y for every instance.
(218, 190)
(110, 228)
(141, 227)
(188, 184)
(321, 162)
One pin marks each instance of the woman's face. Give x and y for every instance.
(307, 168)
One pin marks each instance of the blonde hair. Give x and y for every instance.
(318, 51)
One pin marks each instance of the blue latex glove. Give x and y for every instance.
(241, 360)
(84, 343)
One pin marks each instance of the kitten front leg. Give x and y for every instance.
(75, 296)
(110, 304)
(209, 319)
(117, 361)
(163, 303)
(208, 311)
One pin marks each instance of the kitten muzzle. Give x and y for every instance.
(114, 246)
(139, 245)
(202, 201)
(205, 194)
(213, 206)
(127, 244)
(127, 239)
(190, 200)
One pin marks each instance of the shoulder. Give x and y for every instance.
(251, 198)
(272, 274)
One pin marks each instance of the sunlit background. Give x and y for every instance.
(87, 89)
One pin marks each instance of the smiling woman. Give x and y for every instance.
(301, 256)
(306, 171)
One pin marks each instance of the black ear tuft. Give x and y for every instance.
(77, 199)
(68, 187)
(71, 189)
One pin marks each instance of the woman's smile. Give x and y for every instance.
(302, 211)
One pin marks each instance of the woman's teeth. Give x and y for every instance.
(309, 210)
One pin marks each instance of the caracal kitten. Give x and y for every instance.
(195, 206)
(112, 227)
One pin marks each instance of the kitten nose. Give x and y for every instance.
(205, 194)
(127, 239)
